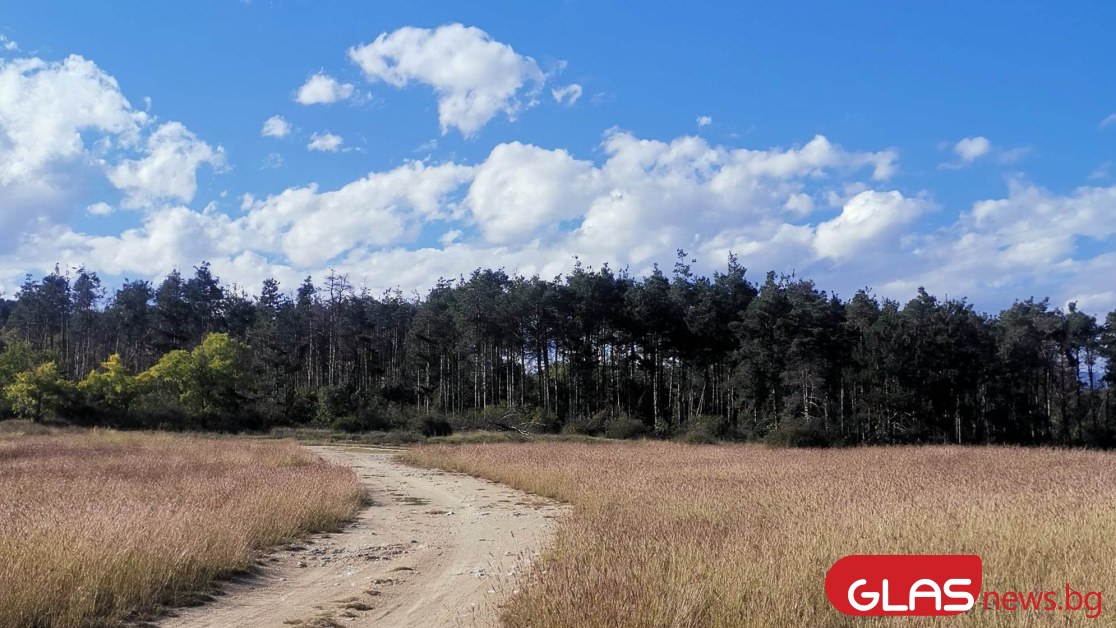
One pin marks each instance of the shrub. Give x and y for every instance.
(349, 423)
(428, 425)
(797, 434)
(333, 403)
(462, 438)
(698, 435)
(624, 427)
(705, 428)
(376, 416)
(592, 425)
(542, 422)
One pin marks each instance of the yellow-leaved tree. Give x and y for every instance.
(112, 387)
(34, 391)
(211, 379)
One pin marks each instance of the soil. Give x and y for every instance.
(431, 549)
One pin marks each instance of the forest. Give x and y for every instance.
(596, 351)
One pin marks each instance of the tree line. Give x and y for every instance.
(596, 351)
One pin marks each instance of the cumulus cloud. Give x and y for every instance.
(48, 112)
(322, 89)
(325, 142)
(866, 219)
(799, 204)
(647, 194)
(520, 188)
(524, 207)
(567, 95)
(44, 108)
(276, 126)
(1027, 243)
(704, 121)
(311, 227)
(970, 148)
(8, 44)
(168, 171)
(1031, 213)
(280, 236)
(474, 76)
(64, 125)
(816, 207)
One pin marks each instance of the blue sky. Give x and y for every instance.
(964, 148)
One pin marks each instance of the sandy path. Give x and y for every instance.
(435, 549)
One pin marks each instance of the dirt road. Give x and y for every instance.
(434, 549)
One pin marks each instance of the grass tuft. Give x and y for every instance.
(667, 534)
(100, 527)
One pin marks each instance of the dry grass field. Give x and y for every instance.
(666, 534)
(99, 527)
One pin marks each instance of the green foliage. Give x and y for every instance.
(350, 423)
(624, 426)
(16, 357)
(593, 352)
(796, 434)
(705, 428)
(429, 425)
(592, 425)
(698, 437)
(334, 403)
(212, 379)
(35, 392)
(480, 436)
(540, 421)
(112, 387)
(375, 416)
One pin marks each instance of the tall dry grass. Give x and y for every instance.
(665, 534)
(99, 527)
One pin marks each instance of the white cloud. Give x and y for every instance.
(704, 121)
(8, 44)
(799, 204)
(866, 219)
(273, 161)
(275, 126)
(48, 111)
(521, 188)
(649, 197)
(169, 169)
(428, 146)
(326, 142)
(310, 227)
(567, 95)
(1026, 244)
(1100, 172)
(450, 237)
(532, 209)
(280, 236)
(1012, 155)
(970, 148)
(99, 209)
(1108, 120)
(44, 108)
(475, 77)
(321, 89)
(1031, 213)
